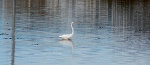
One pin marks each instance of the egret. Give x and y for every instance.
(68, 36)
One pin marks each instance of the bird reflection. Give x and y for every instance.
(67, 43)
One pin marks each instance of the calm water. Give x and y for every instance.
(37, 41)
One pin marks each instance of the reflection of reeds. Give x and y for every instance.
(29, 8)
(13, 32)
(29, 3)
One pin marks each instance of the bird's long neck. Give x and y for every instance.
(72, 29)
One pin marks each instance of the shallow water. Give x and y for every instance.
(37, 42)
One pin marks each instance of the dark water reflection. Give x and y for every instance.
(96, 41)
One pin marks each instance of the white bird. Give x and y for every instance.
(68, 36)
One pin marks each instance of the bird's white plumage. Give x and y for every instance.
(68, 36)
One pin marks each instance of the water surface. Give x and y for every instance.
(37, 41)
